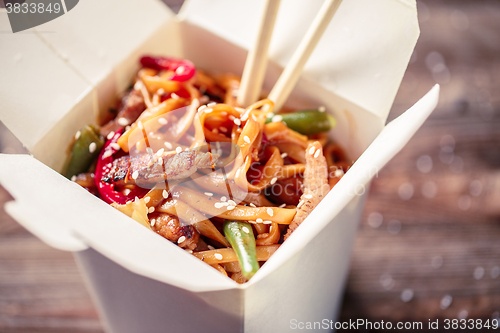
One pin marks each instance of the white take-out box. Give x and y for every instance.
(59, 76)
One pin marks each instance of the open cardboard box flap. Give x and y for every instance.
(355, 72)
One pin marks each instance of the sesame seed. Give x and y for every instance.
(135, 174)
(239, 109)
(189, 251)
(92, 147)
(237, 173)
(208, 110)
(246, 139)
(321, 109)
(201, 108)
(178, 149)
(254, 117)
(151, 133)
(110, 135)
(127, 191)
(211, 104)
(73, 178)
(179, 70)
(244, 117)
(308, 196)
(137, 201)
(218, 256)
(165, 194)
(174, 96)
(268, 222)
(231, 202)
(187, 148)
(147, 199)
(231, 207)
(237, 121)
(153, 222)
(224, 113)
(162, 121)
(270, 211)
(160, 152)
(140, 125)
(115, 146)
(284, 155)
(274, 180)
(160, 91)
(300, 203)
(282, 205)
(311, 150)
(231, 117)
(223, 129)
(223, 199)
(77, 135)
(215, 130)
(168, 145)
(107, 153)
(209, 194)
(338, 173)
(277, 118)
(160, 161)
(270, 115)
(316, 154)
(149, 150)
(181, 239)
(210, 247)
(123, 121)
(219, 205)
(253, 205)
(259, 220)
(151, 209)
(245, 230)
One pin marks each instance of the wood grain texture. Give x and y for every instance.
(435, 244)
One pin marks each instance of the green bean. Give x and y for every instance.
(240, 236)
(86, 147)
(306, 122)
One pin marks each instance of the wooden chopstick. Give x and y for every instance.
(256, 62)
(292, 71)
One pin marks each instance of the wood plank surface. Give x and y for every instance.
(431, 228)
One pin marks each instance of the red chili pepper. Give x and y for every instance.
(183, 69)
(107, 191)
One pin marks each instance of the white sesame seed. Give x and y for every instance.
(208, 110)
(73, 178)
(311, 150)
(254, 117)
(231, 207)
(268, 222)
(277, 118)
(274, 180)
(300, 203)
(218, 256)
(201, 108)
(147, 199)
(162, 121)
(321, 109)
(140, 125)
(237, 121)
(338, 173)
(253, 205)
(187, 148)
(259, 220)
(165, 194)
(160, 152)
(270, 211)
(223, 129)
(123, 121)
(107, 153)
(282, 205)
(160, 161)
(178, 149)
(110, 135)
(149, 150)
(209, 194)
(137, 201)
(153, 222)
(77, 135)
(151, 209)
(215, 130)
(127, 191)
(115, 146)
(270, 115)
(246, 139)
(239, 109)
(135, 174)
(308, 196)
(211, 104)
(237, 173)
(245, 230)
(160, 91)
(223, 199)
(174, 96)
(244, 117)
(92, 147)
(179, 70)
(231, 203)
(316, 154)
(210, 247)
(231, 117)
(168, 145)
(284, 155)
(181, 239)
(189, 251)
(219, 205)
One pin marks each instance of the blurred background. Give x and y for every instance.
(429, 242)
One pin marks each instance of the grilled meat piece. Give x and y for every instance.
(149, 169)
(131, 108)
(172, 229)
(315, 185)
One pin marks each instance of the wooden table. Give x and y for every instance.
(431, 229)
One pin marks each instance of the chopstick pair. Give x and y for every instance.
(256, 63)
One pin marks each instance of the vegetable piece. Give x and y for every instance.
(88, 143)
(183, 69)
(240, 236)
(306, 122)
